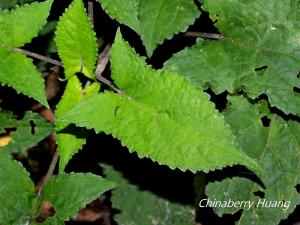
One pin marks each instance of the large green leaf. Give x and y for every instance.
(26, 133)
(76, 41)
(161, 116)
(16, 192)
(154, 20)
(70, 139)
(18, 27)
(259, 54)
(70, 192)
(139, 206)
(277, 148)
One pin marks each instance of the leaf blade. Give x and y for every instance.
(18, 186)
(266, 144)
(156, 122)
(68, 192)
(19, 26)
(76, 41)
(71, 139)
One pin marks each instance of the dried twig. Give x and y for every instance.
(37, 56)
(91, 11)
(101, 65)
(205, 35)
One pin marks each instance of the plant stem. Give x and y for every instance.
(205, 35)
(101, 65)
(91, 11)
(50, 171)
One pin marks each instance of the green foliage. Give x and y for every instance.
(259, 54)
(154, 21)
(31, 129)
(70, 139)
(76, 41)
(276, 148)
(18, 27)
(139, 206)
(16, 192)
(67, 193)
(159, 115)
(8, 4)
(70, 192)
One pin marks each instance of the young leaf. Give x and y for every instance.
(155, 20)
(70, 192)
(18, 27)
(260, 52)
(29, 130)
(76, 41)
(16, 192)
(160, 116)
(276, 147)
(69, 142)
(144, 207)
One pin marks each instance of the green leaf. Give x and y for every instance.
(8, 4)
(259, 54)
(160, 116)
(71, 139)
(155, 20)
(277, 149)
(70, 192)
(16, 192)
(76, 41)
(139, 206)
(18, 72)
(29, 130)
(19, 26)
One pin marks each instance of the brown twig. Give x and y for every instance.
(37, 56)
(91, 11)
(205, 35)
(50, 171)
(101, 65)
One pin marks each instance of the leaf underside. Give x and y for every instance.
(155, 20)
(161, 116)
(144, 207)
(277, 149)
(31, 129)
(260, 53)
(76, 41)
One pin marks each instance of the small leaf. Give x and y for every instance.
(276, 147)
(16, 192)
(160, 116)
(70, 192)
(76, 41)
(29, 131)
(155, 20)
(139, 206)
(18, 72)
(71, 139)
(259, 54)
